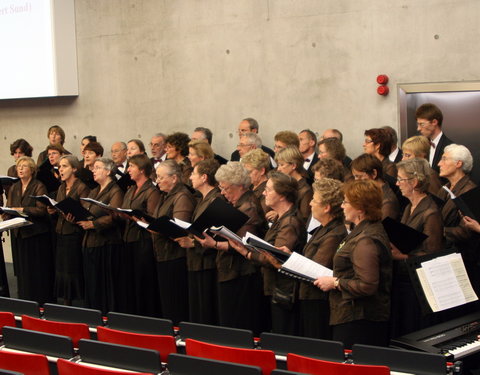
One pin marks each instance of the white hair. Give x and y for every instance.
(460, 153)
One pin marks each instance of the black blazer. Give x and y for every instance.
(444, 142)
(310, 177)
(399, 156)
(236, 155)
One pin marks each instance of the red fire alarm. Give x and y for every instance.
(382, 90)
(382, 79)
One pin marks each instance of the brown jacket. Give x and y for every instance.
(427, 219)
(146, 200)
(321, 248)
(261, 198)
(36, 211)
(105, 230)
(390, 206)
(305, 194)
(363, 266)
(78, 190)
(455, 231)
(178, 203)
(289, 231)
(199, 258)
(230, 264)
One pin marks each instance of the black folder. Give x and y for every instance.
(402, 236)
(278, 254)
(125, 181)
(75, 208)
(469, 203)
(45, 199)
(219, 213)
(46, 176)
(164, 226)
(7, 180)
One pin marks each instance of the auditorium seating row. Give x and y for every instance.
(70, 340)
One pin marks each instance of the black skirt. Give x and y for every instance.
(202, 294)
(69, 282)
(35, 269)
(142, 283)
(101, 269)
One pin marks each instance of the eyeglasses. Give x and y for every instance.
(399, 179)
(422, 124)
(366, 140)
(224, 188)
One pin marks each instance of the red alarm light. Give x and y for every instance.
(382, 79)
(382, 90)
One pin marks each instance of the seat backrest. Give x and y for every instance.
(24, 363)
(285, 372)
(180, 364)
(419, 363)
(265, 359)
(62, 313)
(315, 366)
(19, 306)
(71, 368)
(139, 324)
(315, 348)
(161, 343)
(38, 342)
(120, 356)
(241, 338)
(75, 331)
(6, 319)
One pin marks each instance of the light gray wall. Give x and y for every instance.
(166, 65)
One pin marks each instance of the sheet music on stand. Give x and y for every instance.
(445, 282)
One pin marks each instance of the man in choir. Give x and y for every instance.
(308, 142)
(119, 156)
(249, 125)
(429, 124)
(248, 142)
(158, 150)
(396, 154)
(205, 134)
(335, 133)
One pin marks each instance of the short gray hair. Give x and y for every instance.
(108, 163)
(234, 173)
(252, 139)
(172, 168)
(460, 153)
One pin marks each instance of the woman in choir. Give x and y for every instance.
(419, 147)
(145, 197)
(202, 270)
(135, 147)
(378, 142)
(423, 215)
(85, 141)
(327, 209)
(102, 243)
(368, 167)
(91, 152)
(455, 165)
(56, 136)
(177, 203)
(257, 163)
(239, 280)
(362, 271)
(328, 168)
(69, 281)
(198, 151)
(333, 148)
(290, 162)
(18, 149)
(33, 243)
(287, 230)
(177, 150)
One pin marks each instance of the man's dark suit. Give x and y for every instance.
(311, 175)
(444, 141)
(399, 156)
(236, 155)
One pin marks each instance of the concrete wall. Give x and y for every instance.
(165, 65)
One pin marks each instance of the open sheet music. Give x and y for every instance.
(304, 268)
(16, 222)
(12, 212)
(445, 282)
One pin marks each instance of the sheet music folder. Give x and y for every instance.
(75, 208)
(414, 264)
(469, 203)
(402, 236)
(220, 213)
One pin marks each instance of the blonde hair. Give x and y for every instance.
(418, 145)
(204, 150)
(29, 161)
(331, 193)
(291, 155)
(257, 158)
